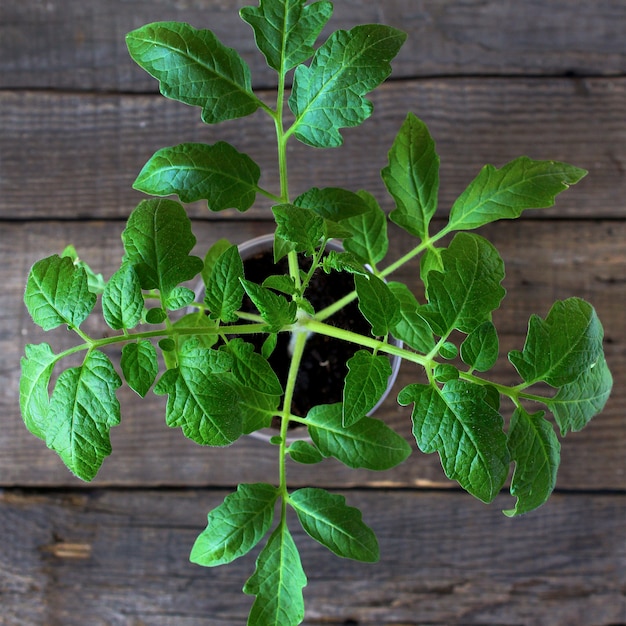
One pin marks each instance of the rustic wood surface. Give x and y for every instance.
(493, 79)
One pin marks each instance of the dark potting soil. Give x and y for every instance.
(323, 367)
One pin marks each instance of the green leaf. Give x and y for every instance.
(213, 253)
(257, 408)
(140, 366)
(285, 30)
(430, 261)
(284, 284)
(224, 292)
(252, 370)
(504, 193)
(96, 281)
(411, 328)
(277, 583)
(157, 241)
(577, 402)
(36, 368)
(155, 315)
(412, 177)
(201, 399)
(327, 519)
(83, 409)
(536, 451)
(461, 424)
(303, 452)
(276, 310)
(122, 300)
(179, 298)
(443, 372)
(343, 262)
(219, 174)
(333, 203)
(301, 227)
(377, 303)
(368, 444)
(364, 384)
(236, 525)
(194, 67)
(329, 93)
(57, 292)
(368, 241)
(561, 347)
(468, 290)
(481, 347)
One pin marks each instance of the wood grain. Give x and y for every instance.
(77, 155)
(76, 45)
(119, 558)
(546, 260)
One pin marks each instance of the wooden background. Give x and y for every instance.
(494, 79)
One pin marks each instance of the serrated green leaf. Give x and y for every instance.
(481, 347)
(368, 444)
(301, 227)
(412, 177)
(332, 203)
(285, 30)
(368, 240)
(365, 383)
(201, 400)
(122, 299)
(276, 310)
(139, 365)
(96, 281)
(257, 408)
(504, 193)
(213, 253)
(224, 292)
(283, 283)
(430, 261)
(218, 173)
(411, 328)
(252, 370)
(83, 409)
(377, 303)
(327, 519)
(329, 94)
(561, 347)
(157, 241)
(460, 423)
(536, 451)
(194, 67)
(577, 402)
(236, 525)
(57, 292)
(304, 452)
(277, 583)
(36, 368)
(464, 295)
(343, 262)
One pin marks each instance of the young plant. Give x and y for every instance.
(219, 387)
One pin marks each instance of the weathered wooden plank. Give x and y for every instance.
(76, 155)
(546, 260)
(119, 558)
(80, 46)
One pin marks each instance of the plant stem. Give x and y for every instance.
(294, 366)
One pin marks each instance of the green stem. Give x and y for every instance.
(294, 366)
